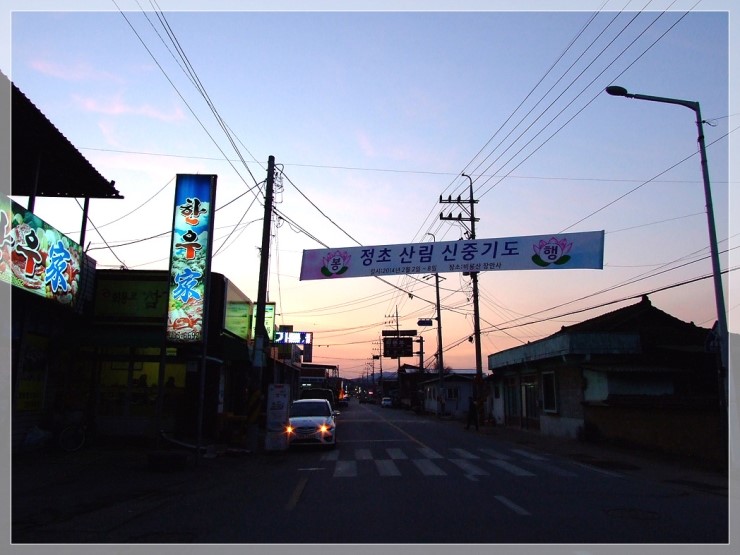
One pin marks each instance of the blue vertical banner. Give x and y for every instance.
(190, 257)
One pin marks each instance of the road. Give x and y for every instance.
(397, 477)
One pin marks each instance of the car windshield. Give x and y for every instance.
(319, 408)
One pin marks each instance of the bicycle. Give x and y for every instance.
(72, 437)
(74, 434)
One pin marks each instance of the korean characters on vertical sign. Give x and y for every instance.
(192, 230)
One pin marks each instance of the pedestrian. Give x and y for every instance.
(472, 413)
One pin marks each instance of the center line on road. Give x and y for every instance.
(293, 501)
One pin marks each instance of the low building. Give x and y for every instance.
(450, 396)
(635, 376)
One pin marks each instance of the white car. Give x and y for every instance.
(312, 421)
(386, 402)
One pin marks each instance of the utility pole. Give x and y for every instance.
(440, 361)
(421, 353)
(260, 332)
(470, 217)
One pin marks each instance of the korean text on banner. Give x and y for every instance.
(582, 250)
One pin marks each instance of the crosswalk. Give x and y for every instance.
(351, 462)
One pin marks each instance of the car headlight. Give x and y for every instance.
(326, 428)
(288, 429)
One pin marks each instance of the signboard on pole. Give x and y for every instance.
(537, 252)
(269, 321)
(190, 255)
(278, 411)
(398, 333)
(397, 347)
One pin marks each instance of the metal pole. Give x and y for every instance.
(716, 270)
(722, 331)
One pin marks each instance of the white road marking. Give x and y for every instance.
(599, 470)
(510, 468)
(345, 469)
(363, 454)
(428, 468)
(553, 469)
(469, 468)
(387, 468)
(496, 454)
(396, 454)
(429, 453)
(529, 455)
(511, 505)
(331, 456)
(462, 453)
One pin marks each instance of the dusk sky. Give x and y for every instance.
(373, 114)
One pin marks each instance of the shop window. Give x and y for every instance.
(549, 392)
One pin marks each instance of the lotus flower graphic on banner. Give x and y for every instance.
(581, 250)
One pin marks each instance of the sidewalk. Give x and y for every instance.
(616, 459)
(51, 486)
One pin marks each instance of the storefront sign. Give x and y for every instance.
(269, 320)
(238, 313)
(36, 257)
(537, 252)
(293, 337)
(192, 229)
(130, 299)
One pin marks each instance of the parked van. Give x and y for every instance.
(319, 393)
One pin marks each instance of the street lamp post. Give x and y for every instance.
(722, 332)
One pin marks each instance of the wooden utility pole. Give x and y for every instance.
(260, 332)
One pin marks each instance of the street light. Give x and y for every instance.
(719, 296)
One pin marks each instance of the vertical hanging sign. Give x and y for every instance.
(190, 257)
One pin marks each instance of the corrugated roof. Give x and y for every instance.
(44, 163)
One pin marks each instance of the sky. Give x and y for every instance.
(375, 113)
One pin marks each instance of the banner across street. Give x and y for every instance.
(581, 250)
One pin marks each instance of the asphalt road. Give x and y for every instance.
(394, 478)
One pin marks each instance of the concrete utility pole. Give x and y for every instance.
(474, 275)
(260, 332)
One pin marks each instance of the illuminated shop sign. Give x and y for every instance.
(294, 337)
(130, 298)
(238, 313)
(269, 320)
(192, 229)
(36, 257)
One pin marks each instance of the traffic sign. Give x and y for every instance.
(399, 333)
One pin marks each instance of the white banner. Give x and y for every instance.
(583, 250)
